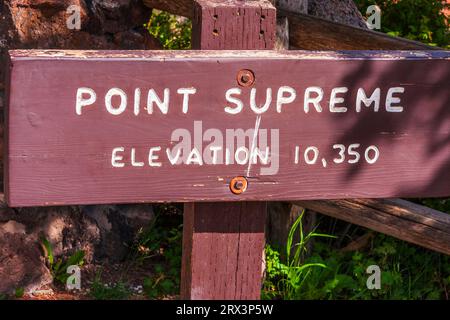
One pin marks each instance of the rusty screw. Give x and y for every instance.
(238, 185)
(245, 78)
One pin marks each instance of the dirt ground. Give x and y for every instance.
(130, 274)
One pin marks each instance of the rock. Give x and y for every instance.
(118, 225)
(341, 11)
(50, 24)
(43, 24)
(21, 264)
(66, 228)
(104, 233)
(137, 215)
(117, 16)
(137, 39)
(12, 227)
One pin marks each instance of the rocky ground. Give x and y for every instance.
(133, 278)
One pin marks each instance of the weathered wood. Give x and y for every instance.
(59, 157)
(222, 250)
(300, 6)
(395, 217)
(233, 25)
(222, 258)
(312, 33)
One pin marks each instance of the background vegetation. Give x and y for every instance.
(421, 20)
(173, 32)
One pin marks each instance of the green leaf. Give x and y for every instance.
(19, 293)
(48, 250)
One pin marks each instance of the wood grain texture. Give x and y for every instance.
(240, 25)
(223, 246)
(312, 33)
(56, 157)
(395, 217)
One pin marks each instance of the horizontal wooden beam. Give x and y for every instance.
(311, 33)
(395, 217)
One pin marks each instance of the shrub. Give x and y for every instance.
(421, 20)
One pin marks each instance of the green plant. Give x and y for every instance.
(166, 279)
(160, 245)
(19, 293)
(421, 20)
(407, 271)
(102, 291)
(286, 279)
(160, 285)
(173, 32)
(58, 267)
(438, 204)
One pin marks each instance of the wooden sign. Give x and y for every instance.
(127, 127)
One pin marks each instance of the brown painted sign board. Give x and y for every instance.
(86, 127)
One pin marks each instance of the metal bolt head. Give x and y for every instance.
(238, 185)
(245, 78)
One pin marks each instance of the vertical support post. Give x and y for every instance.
(223, 243)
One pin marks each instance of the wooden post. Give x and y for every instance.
(223, 243)
(222, 250)
(233, 25)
